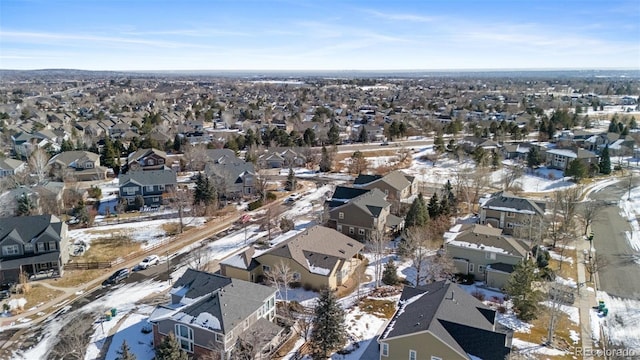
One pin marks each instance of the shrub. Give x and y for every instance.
(271, 196)
(502, 309)
(255, 205)
(286, 224)
(478, 295)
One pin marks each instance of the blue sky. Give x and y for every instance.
(319, 35)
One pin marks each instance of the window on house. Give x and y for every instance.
(490, 256)
(481, 269)
(351, 231)
(385, 349)
(10, 250)
(88, 165)
(160, 161)
(509, 225)
(341, 215)
(413, 355)
(470, 267)
(435, 358)
(296, 276)
(161, 187)
(52, 245)
(184, 335)
(266, 268)
(219, 337)
(511, 214)
(151, 162)
(148, 188)
(339, 228)
(28, 247)
(130, 190)
(360, 231)
(386, 191)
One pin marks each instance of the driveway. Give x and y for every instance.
(619, 277)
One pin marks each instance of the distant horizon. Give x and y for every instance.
(334, 35)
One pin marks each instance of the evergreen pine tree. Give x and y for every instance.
(333, 135)
(417, 214)
(577, 170)
(125, 353)
(495, 160)
(328, 331)
(520, 289)
(25, 206)
(448, 203)
(605, 161)
(434, 206)
(533, 157)
(108, 153)
(169, 349)
(363, 137)
(325, 160)
(290, 185)
(390, 273)
(204, 193)
(177, 143)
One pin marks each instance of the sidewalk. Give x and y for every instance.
(586, 298)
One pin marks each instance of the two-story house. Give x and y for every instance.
(150, 185)
(210, 313)
(282, 158)
(146, 159)
(32, 244)
(317, 257)
(79, 165)
(561, 158)
(506, 211)
(396, 185)
(10, 167)
(484, 252)
(442, 321)
(364, 215)
(232, 180)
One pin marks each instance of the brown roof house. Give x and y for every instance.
(485, 253)
(318, 257)
(396, 185)
(441, 321)
(78, 165)
(506, 211)
(209, 314)
(147, 159)
(364, 215)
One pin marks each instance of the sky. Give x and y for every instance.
(319, 35)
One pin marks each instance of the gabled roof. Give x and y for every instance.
(149, 177)
(363, 179)
(505, 201)
(573, 153)
(69, 157)
(222, 156)
(27, 228)
(317, 249)
(453, 316)
(372, 202)
(219, 303)
(344, 194)
(10, 164)
(487, 238)
(229, 171)
(242, 260)
(141, 153)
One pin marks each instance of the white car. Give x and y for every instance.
(149, 261)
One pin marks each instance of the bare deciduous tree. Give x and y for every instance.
(281, 275)
(375, 245)
(182, 200)
(590, 212)
(199, 258)
(38, 164)
(511, 174)
(420, 243)
(195, 156)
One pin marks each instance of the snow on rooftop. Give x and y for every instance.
(480, 246)
(207, 321)
(317, 270)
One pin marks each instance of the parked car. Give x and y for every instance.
(149, 261)
(116, 277)
(6, 289)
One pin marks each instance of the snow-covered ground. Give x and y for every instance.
(621, 326)
(630, 210)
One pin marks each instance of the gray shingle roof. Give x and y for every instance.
(27, 228)
(486, 236)
(149, 177)
(451, 314)
(504, 201)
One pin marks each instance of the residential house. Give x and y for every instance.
(232, 180)
(32, 244)
(79, 165)
(396, 185)
(364, 216)
(343, 194)
(10, 167)
(286, 158)
(484, 252)
(150, 185)
(9, 200)
(210, 313)
(506, 211)
(560, 158)
(222, 156)
(516, 151)
(318, 257)
(25, 143)
(442, 321)
(146, 159)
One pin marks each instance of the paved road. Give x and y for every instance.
(620, 276)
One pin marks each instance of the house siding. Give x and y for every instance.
(307, 279)
(425, 344)
(478, 257)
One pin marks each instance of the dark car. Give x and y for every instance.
(116, 277)
(6, 289)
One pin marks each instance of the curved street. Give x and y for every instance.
(619, 277)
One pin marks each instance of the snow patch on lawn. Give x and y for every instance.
(630, 210)
(621, 326)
